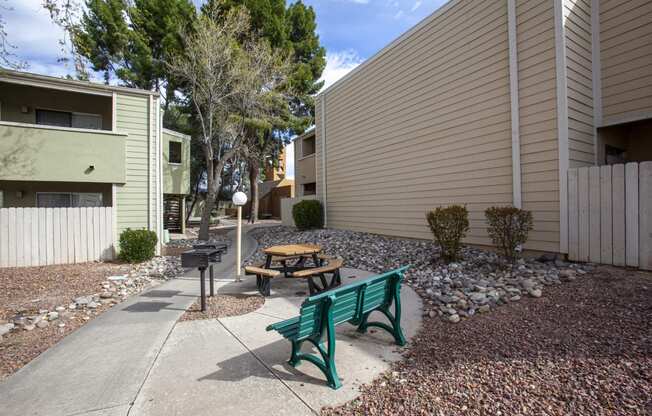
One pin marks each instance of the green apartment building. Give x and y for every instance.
(66, 143)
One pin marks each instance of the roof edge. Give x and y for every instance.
(7, 75)
(393, 44)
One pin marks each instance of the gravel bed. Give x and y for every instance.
(584, 348)
(41, 305)
(220, 306)
(479, 282)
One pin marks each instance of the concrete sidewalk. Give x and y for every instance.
(233, 366)
(100, 368)
(135, 359)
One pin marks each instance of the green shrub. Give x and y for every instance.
(308, 214)
(449, 226)
(508, 228)
(137, 245)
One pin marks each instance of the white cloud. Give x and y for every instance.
(416, 5)
(35, 37)
(339, 64)
(289, 161)
(399, 14)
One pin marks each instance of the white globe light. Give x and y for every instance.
(239, 198)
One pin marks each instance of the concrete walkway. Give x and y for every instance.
(135, 359)
(100, 368)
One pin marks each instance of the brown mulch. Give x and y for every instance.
(220, 306)
(29, 289)
(584, 348)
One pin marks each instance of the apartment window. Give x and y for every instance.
(69, 119)
(308, 147)
(68, 199)
(175, 152)
(310, 188)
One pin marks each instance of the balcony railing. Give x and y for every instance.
(30, 152)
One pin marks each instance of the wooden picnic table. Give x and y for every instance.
(289, 251)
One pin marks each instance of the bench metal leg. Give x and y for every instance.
(327, 361)
(264, 285)
(395, 322)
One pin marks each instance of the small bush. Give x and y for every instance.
(449, 226)
(508, 228)
(308, 214)
(137, 245)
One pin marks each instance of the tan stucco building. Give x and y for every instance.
(486, 103)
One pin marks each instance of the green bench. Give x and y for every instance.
(352, 303)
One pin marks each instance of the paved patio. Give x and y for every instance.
(136, 359)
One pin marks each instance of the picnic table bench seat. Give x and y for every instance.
(353, 304)
(263, 277)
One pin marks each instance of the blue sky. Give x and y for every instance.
(351, 31)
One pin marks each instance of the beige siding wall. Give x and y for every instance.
(133, 118)
(426, 123)
(535, 34)
(626, 52)
(581, 142)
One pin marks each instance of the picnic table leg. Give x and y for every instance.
(268, 261)
(210, 273)
(202, 289)
(315, 260)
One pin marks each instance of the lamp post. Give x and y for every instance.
(239, 199)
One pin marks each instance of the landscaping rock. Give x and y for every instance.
(477, 282)
(454, 318)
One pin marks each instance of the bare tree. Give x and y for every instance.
(227, 81)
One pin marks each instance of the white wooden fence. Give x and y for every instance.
(610, 214)
(42, 236)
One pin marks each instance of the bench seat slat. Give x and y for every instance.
(261, 271)
(330, 267)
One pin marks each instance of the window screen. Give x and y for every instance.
(87, 121)
(66, 199)
(308, 147)
(54, 118)
(175, 152)
(309, 188)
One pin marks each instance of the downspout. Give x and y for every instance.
(515, 117)
(323, 158)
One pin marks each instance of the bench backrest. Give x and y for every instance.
(348, 302)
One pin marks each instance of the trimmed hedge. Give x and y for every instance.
(137, 245)
(308, 214)
(508, 228)
(449, 226)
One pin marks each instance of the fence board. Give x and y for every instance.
(97, 238)
(70, 213)
(618, 204)
(35, 243)
(573, 212)
(4, 238)
(56, 233)
(594, 214)
(606, 235)
(631, 214)
(583, 217)
(645, 215)
(18, 228)
(27, 237)
(43, 236)
(49, 231)
(11, 232)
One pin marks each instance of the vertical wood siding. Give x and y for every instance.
(581, 142)
(538, 120)
(43, 236)
(425, 123)
(609, 214)
(132, 202)
(626, 52)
